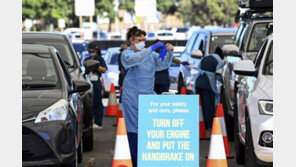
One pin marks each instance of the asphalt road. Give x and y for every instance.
(104, 141)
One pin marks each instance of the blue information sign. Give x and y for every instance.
(168, 133)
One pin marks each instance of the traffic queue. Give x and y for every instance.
(63, 83)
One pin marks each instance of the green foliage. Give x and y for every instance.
(105, 6)
(166, 6)
(204, 12)
(128, 5)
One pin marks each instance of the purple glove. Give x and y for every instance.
(163, 51)
(157, 45)
(185, 63)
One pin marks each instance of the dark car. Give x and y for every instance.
(80, 48)
(62, 43)
(51, 109)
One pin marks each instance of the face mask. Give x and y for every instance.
(140, 46)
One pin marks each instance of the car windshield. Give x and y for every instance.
(165, 34)
(61, 46)
(268, 67)
(39, 71)
(113, 58)
(220, 41)
(257, 37)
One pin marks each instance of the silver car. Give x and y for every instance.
(254, 135)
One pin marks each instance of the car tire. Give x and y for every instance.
(250, 157)
(238, 146)
(80, 151)
(228, 119)
(88, 140)
(180, 83)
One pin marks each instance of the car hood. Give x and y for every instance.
(266, 86)
(35, 101)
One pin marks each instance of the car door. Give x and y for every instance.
(245, 87)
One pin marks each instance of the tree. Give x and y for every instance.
(205, 12)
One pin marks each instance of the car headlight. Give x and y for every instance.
(58, 111)
(266, 107)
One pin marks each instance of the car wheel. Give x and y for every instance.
(88, 140)
(180, 83)
(228, 119)
(238, 146)
(250, 157)
(79, 151)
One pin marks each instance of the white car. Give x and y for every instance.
(164, 35)
(114, 36)
(254, 121)
(112, 74)
(174, 69)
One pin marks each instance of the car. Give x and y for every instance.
(74, 32)
(100, 35)
(80, 48)
(164, 35)
(112, 74)
(174, 69)
(51, 109)
(181, 33)
(114, 36)
(63, 44)
(251, 32)
(254, 135)
(204, 42)
(151, 36)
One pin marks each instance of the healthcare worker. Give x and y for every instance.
(95, 75)
(162, 78)
(205, 84)
(140, 64)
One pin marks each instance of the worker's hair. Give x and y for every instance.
(134, 32)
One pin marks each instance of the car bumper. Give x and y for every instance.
(48, 143)
(261, 123)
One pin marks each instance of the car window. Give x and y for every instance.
(219, 41)
(240, 42)
(65, 70)
(113, 58)
(61, 46)
(39, 69)
(238, 33)
(268, 67)
(260, 54)
(190, 43)
(182, 30)
(150, 35)
(258, 34)
(199, 42)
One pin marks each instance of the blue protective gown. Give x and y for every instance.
(139, 79)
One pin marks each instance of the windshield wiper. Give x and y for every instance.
(28, 86)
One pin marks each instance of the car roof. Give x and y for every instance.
(47, 35)
(218, 30)
(33, 48)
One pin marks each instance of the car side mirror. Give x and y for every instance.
(245, 67)
(80, 86)
(230, 50)
(196, 54)
(91, 65)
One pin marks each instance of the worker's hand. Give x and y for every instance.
(185, 63)
(154, 47)
(162, 53)
(169, 47)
